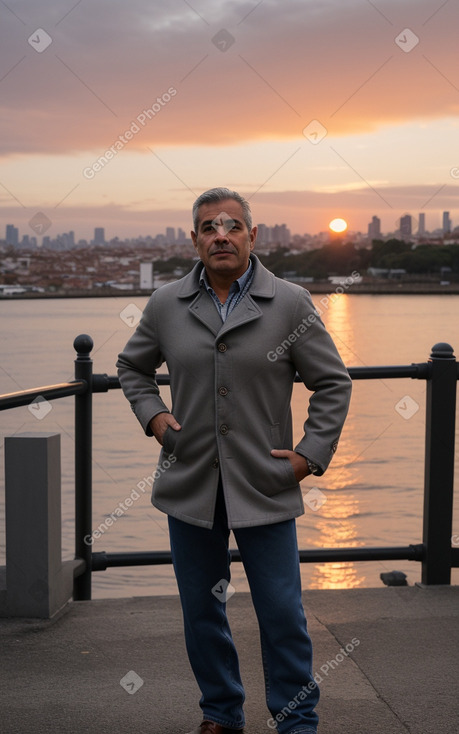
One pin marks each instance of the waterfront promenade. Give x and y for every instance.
(398, 673)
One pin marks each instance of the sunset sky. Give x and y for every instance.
(312, 109)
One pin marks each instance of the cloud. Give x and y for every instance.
(311, 210)
(302, 211)
(276, 67)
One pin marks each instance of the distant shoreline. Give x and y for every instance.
(383, 289)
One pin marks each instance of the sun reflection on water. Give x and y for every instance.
(335, 521)
(335, 524)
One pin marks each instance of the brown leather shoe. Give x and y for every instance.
(210, 727)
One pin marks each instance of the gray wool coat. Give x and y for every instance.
(231, 385)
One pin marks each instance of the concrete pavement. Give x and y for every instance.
(387, 657)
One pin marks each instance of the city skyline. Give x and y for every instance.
(408, 225)
(311, 109)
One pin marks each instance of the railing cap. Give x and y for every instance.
(83, 344)
(442, 350)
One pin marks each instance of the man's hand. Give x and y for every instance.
(160, 422)
(298, 462)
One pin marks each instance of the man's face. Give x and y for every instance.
(223, 241)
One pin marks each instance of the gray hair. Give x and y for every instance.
(220, 194)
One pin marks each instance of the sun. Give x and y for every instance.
(338, 225)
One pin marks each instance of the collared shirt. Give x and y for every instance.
(236, 293)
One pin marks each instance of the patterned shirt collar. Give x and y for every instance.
(236, 293)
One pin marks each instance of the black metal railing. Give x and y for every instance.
(435, 553)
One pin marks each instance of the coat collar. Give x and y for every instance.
(202, 307)
(263, 284)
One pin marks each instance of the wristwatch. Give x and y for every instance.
(313, 468)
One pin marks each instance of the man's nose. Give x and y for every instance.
(220, 234)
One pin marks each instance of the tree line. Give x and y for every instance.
(339, 258)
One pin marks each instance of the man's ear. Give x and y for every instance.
(194, 239)
(253, 237)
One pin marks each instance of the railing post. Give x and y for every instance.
(439, 465)
(83, 345)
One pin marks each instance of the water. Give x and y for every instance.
(373, 489)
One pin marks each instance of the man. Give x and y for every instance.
(233, 336)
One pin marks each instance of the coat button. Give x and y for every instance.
(223, 391)
(222, 347)
(224, 429)
(215, 464)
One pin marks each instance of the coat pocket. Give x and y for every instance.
(169, 440)
(266, 474)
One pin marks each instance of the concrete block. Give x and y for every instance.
(38, 584)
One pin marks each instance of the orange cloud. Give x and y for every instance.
(278, 66)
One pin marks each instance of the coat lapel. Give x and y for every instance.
(201, 307)
(247, 310)
(204, 310)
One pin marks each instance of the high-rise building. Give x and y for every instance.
(281, 235)
(67, 240)
(374, 228)
(12, 235)
(264, 234)
(181, 236)
(99, 236)
(422, 224)
(405, 225)
(447, 224)
(170, 235)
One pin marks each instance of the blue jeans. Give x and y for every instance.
(270, 557)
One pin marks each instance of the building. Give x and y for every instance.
(146, 276)
(264, 234)
(181, 237)
(447, 224)
(422, 224)
(405, 225)
(374, 228)
(12, 235)
(66, 241)
(280, 235)
(170, 235)
(99, 236)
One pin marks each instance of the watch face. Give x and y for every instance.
(312, 467)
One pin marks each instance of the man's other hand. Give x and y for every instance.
(160, 422)
(298, 462)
